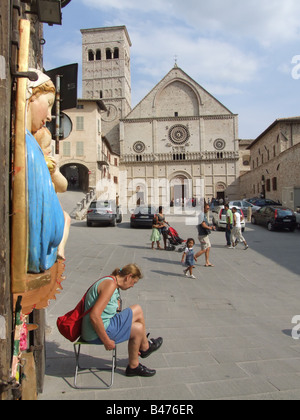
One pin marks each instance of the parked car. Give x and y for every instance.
(297, 219)
(142, 216)
(275, 217)
(242, 204)
(250, 200)
(261, 202)
(219, 217)
(103, 211)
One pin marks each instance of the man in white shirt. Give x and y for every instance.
(236, 234)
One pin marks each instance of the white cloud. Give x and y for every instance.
(136, 5)
(223, 90)
(203, 58)
(183, 29)
(266, 21)
(66, 53)
(212, 39)
(285, 68)
(238, 49)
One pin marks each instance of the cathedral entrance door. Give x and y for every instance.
(179, 191)
(220, 190)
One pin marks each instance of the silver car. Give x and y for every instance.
(105, 211)
(242, 204)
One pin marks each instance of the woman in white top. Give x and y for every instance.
(236, 234)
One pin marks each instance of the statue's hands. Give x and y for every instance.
(51, 164)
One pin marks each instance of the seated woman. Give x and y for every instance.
(107, 324)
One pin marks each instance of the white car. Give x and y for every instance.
(219, 217)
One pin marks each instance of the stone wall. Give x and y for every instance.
(274, 162)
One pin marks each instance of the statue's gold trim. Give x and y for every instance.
(19, 237)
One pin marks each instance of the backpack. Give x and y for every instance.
(69, 325)
(201, 230)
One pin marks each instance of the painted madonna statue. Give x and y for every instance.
(46, 219)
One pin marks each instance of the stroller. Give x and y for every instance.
(173, 240)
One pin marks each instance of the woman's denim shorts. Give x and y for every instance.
(119, 327)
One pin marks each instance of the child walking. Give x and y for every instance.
(189, 257)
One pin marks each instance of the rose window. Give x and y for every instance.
(219, 144)
(179, 134)
(139, 147)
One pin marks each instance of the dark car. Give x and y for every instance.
(142, 216)
(251, 200)
(275, 217)
(261, 202)
(103, 211)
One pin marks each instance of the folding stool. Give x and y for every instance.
(78, 369)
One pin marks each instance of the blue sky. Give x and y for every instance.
(246, 54)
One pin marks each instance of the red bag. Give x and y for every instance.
(69, 325)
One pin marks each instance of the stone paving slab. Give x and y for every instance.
(227, 333)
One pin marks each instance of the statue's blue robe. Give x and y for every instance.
(45, 214)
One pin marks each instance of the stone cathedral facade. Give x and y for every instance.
(179, 142)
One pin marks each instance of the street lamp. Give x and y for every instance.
(49, 11)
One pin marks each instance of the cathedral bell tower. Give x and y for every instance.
(106, 75)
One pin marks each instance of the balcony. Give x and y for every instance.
(102, 159)
(186, 156)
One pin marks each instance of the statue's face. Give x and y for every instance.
(40, 110)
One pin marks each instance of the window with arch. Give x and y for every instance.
(116, 52)
(91, 55)
(98, 55)
(108, 54)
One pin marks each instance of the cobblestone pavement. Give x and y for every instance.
(227, 333)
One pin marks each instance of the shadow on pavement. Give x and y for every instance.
(61, 364)
(280, 246)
